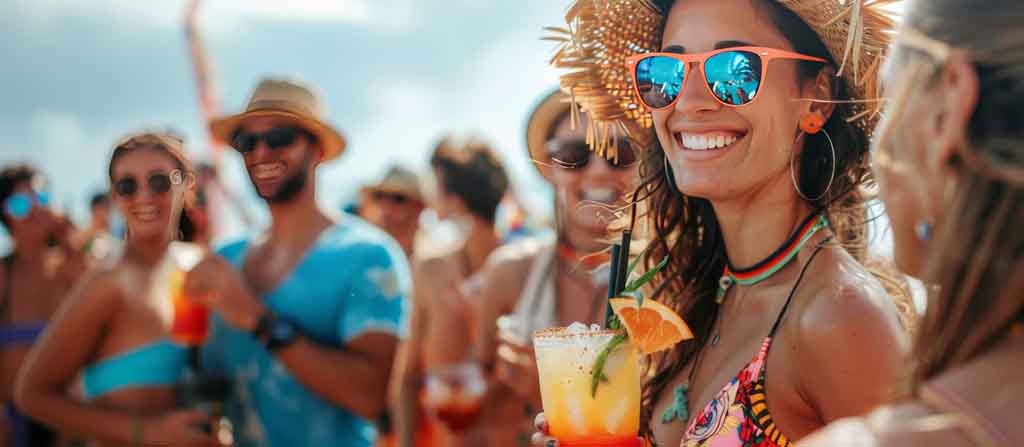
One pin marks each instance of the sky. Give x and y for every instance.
(396, 75)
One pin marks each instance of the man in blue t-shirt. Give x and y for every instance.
(308, 313)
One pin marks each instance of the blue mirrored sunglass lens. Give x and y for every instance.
(43, 199)
(18, 205)
(659, 80)
(734, 76)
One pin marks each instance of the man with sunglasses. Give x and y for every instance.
(309, 312)
(394, 204)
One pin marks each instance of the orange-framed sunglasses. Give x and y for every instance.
(733, 75)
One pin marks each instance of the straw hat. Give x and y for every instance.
(399, 180)
(289, 99)
(602, 33)
(540, 126)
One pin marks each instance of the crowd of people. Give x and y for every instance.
(361, 328)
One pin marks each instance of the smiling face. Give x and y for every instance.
(589, 193)
(149, 213)
(719, 152)
(282, 173)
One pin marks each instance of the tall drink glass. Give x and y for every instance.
(191, 319)
(575, 416)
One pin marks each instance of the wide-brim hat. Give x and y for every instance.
(399, 180)
(601, 34)
(289, 99)
(540, 127)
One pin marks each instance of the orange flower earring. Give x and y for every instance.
(812, 123)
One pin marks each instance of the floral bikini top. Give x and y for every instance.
(738, 416)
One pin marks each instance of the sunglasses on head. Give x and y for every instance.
(576, 154)
(393, 197)
(733, 75)
(159, 183)
(276, 138)
(20, 204)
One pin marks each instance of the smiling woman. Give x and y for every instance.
(755, 186)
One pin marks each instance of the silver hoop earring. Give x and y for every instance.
(831, 177)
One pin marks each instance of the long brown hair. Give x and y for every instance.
(977, 259)
(685, 228)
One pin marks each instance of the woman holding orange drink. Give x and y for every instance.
(117, 326)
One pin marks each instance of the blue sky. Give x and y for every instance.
(396, 74)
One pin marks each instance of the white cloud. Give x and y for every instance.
(218, 16)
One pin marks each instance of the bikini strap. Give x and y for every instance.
(792, 292)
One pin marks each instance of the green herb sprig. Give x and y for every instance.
(632, 289)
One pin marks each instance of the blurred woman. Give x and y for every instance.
(539, 283)
(113, 328)
(950, 160)
(33, 278)
(755, 189)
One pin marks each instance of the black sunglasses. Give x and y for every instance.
(158, 183)
(396, 198)
(276, 138)
(576, 154)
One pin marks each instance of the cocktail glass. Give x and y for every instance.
(454, 394)
(191, 322)
(576, 417)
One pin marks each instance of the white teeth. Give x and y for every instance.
(267, 170)
(145, 212)
(704, 142)
(603, 195)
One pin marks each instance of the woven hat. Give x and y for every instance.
(284, 98)
(540, 126)
(399, 180)
(602, 33)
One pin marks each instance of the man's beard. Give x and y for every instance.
(290, 188)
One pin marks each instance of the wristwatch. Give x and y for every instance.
(275, 332)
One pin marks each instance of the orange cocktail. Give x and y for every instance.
(191, 322)
(576, 415)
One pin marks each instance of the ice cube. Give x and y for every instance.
(577, 328)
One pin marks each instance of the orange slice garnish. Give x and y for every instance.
(652, 327)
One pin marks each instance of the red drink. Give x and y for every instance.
(459, 415)
(191, 322)
(454, 394)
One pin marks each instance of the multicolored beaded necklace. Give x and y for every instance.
(745, 277)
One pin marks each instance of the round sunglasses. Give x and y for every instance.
(275, 138)
(733, 75)
(575, 154)
(20, 204)
(158, 183)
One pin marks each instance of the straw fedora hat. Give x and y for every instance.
(284, 98)
(399, 180)
(600, 34)
(540, 127)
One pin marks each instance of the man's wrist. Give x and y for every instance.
(274, 332)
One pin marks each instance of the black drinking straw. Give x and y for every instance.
(621, 273)
(613, 286)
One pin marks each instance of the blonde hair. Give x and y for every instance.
(975, 266)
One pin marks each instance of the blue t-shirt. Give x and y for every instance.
(353, 280)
